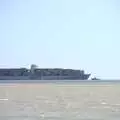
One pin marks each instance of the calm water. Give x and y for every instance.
(60, 100)
(63, 81)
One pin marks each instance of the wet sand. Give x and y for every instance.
(59, 102)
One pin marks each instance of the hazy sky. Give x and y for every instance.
(80, 34)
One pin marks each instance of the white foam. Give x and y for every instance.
(3, 99)
(93, 107)
(42, 115)
(103, 103)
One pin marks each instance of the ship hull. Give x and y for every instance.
(43, 78)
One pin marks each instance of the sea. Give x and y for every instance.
(59, 100)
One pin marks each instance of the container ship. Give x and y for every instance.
(35, 73)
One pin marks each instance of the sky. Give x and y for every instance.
(78, 34)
